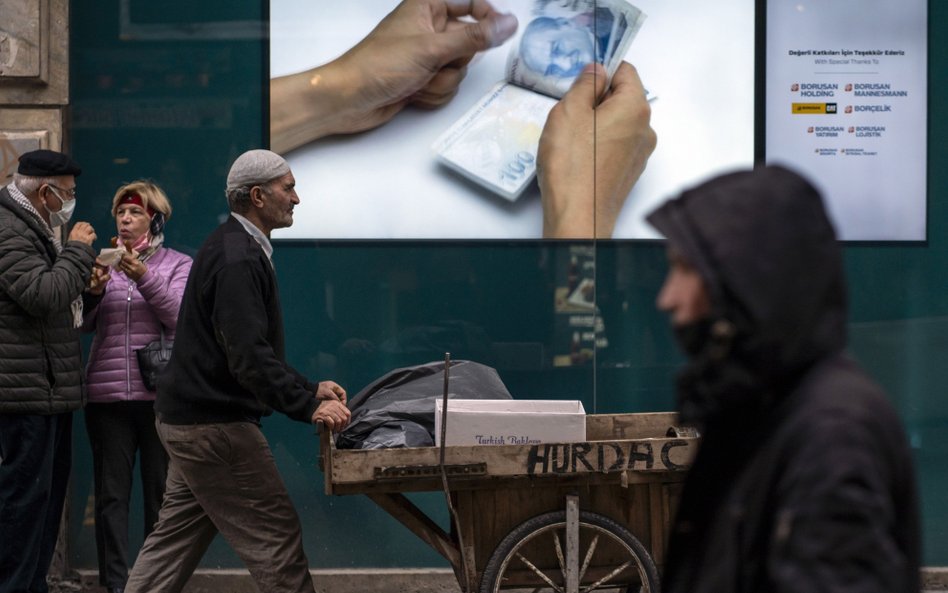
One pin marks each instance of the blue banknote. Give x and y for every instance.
(563, 36)
(495, 143)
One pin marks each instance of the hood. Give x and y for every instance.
(768, 253)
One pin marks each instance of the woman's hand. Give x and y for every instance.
(131, 266)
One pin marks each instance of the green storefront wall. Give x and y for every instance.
(174, 91)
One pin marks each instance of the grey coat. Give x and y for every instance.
(40, 354)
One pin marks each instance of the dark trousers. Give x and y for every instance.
(35, 458)
(117, 431)
(222, 478)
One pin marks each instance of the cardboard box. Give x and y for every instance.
(511, 422)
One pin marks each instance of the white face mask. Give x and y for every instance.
(63, 215)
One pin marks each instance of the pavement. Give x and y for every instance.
(420, 580)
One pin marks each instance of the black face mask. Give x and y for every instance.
(693, 337)
(716, 382)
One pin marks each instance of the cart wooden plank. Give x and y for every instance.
(630, 448)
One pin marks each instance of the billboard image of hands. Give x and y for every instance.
(418, 120)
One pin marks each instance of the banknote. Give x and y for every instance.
(563, 36)
(495, 143)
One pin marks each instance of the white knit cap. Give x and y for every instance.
(255, 167)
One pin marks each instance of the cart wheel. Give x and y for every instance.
(532, 557)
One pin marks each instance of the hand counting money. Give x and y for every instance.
(495, 143)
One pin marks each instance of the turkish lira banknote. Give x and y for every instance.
(562, 36)
(495, 142)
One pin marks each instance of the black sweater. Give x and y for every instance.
(228, 362)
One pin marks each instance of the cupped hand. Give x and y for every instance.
(593, 149)
(82, 232)
(131, 266)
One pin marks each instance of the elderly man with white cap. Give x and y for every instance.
(227, 370)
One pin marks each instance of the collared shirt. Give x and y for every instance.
(257, 234)
(23, 201)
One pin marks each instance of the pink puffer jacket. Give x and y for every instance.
(128, 318)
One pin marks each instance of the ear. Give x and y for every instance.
(43, 192)
(256, 196)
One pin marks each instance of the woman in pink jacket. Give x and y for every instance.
(139, 302)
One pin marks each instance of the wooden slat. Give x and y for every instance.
(327, 448)
(468, 516)
(559, 461)
(609, 427)
(572, 544)
(409, 515)
(658, 521)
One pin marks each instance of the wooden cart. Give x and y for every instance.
(570, 517)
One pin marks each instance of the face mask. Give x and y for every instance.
(62, 216)
(142, 243)
(692, 337)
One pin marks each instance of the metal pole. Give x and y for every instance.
(467, 583)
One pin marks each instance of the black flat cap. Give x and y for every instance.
(47, 163)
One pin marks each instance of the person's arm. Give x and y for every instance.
(593, 149)
(241, 325)
(164, 290)
(417, 55)
(834, 516)
(37, 287)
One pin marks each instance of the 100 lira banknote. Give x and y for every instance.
(495, 142)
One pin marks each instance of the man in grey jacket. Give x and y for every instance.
(42, 279)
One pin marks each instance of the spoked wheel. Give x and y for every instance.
(532, 558)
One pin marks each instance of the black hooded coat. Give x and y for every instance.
(804, 481)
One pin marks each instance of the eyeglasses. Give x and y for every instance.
(70, 193)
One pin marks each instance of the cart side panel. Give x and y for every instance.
(499, 511)
(404, 470)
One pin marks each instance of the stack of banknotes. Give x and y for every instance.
(495, 142)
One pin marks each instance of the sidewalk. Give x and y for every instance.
(419, 580)
(395, 580)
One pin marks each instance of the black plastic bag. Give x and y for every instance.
(397, 410)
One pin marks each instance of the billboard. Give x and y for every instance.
(846, 106)
(696, 59)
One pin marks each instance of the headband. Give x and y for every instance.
(133, 198)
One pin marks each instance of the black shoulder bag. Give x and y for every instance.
(152, 359)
